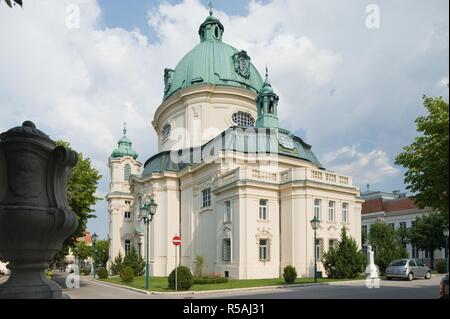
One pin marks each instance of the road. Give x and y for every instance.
(395, 289)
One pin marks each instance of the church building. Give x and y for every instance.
(239, 189)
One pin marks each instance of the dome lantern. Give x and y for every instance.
(212, 29)
(124, 148)
(267, 105)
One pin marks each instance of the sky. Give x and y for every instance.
(350, 74)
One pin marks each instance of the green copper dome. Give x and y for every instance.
(213, 62)
(124, 148)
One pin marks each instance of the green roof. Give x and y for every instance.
(213, 62)
(124, 148)
(239, 139)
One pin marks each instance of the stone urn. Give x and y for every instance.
(35, 217)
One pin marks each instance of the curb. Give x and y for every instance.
(192, 293)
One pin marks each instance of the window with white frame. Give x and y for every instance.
(318, 249)
(127, 215)
(364, 229)
(402, 225)
(263, 213)
(264, 250)
(317, 208)
(127, 172)
(243, 119)
(392, 225)
(332, 243)
(206, 197)
(227, 213)
(226, 249)
(344, 212)
(331, 206)
(167, 129)
(127, 246)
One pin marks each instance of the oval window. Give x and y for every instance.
(243, 119)
(216, 32)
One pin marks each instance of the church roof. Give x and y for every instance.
(124, 147)
(249, 140)
(213, 62)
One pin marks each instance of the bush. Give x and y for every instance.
(344, 260)
(184, 278)
(102, 273)
(86, 271)
(127, 274)
(135, 262)
(440, 267)
(210, 280)
(289, 274)
(117, 264)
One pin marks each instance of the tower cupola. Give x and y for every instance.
(124, 147)
(212, 29)
(267, 105)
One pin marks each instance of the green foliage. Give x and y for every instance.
(289, 274)
(86, 271)
(210, 280)
(426, 159)
(101, 252)
(81, 189)
(82, 251)
(14, 2)
(199, 263)
(135, 262)
(344, 260)
(102, 273)
(184, 278)
(387, 246)
(402, 235)
(117, 264)
(440, 267)
(127, 274)
(427, 233)
(48, 273)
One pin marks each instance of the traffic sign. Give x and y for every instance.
(176, 240)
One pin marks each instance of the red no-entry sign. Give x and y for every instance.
(176, 240)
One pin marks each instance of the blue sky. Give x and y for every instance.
(351, 91)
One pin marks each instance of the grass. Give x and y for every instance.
(160, 284)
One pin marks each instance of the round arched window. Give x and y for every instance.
(243, 119)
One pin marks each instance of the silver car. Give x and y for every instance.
(407, 269)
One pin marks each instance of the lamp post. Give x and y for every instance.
(148, 210)
(315, 223)
(446, 249)
(94, 244)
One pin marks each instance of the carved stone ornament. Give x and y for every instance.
(242, 63)
(35, 217)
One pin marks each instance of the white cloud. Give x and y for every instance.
(371, 167)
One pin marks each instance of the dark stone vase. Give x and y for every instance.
(35, 217)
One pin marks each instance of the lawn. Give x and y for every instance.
(160, 284)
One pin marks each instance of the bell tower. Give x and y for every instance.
(267, 106)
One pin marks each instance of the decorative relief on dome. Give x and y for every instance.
(168, 75)
(242, 63)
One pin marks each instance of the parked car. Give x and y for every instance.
(444, 287)
(407, 269)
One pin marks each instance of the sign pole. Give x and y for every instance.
(176, 269)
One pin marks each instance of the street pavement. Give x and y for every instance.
(395, 289)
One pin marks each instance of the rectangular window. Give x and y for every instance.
(263, 249)
(206, 197)
(331, 211)
(127, 215)
(317, 210)
(263, 209)
(344, 212)
(127, 246)
(392, 225)
(403, 225)
(332, 243)
(226, 249)
(364, 229)
(318, 249)
(227, 214)
(414, 252)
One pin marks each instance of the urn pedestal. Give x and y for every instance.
(35, 217)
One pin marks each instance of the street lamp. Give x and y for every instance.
(94, 243)
(148, 210)
(315, 223)
(445, 231)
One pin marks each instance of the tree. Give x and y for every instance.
(134, 261)
(426, 159)
(10, 4)
(117, 264)
(344, 260)
(81, 189)
(82, 251)
(427, 234)
(101, 253)
(388, 247)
